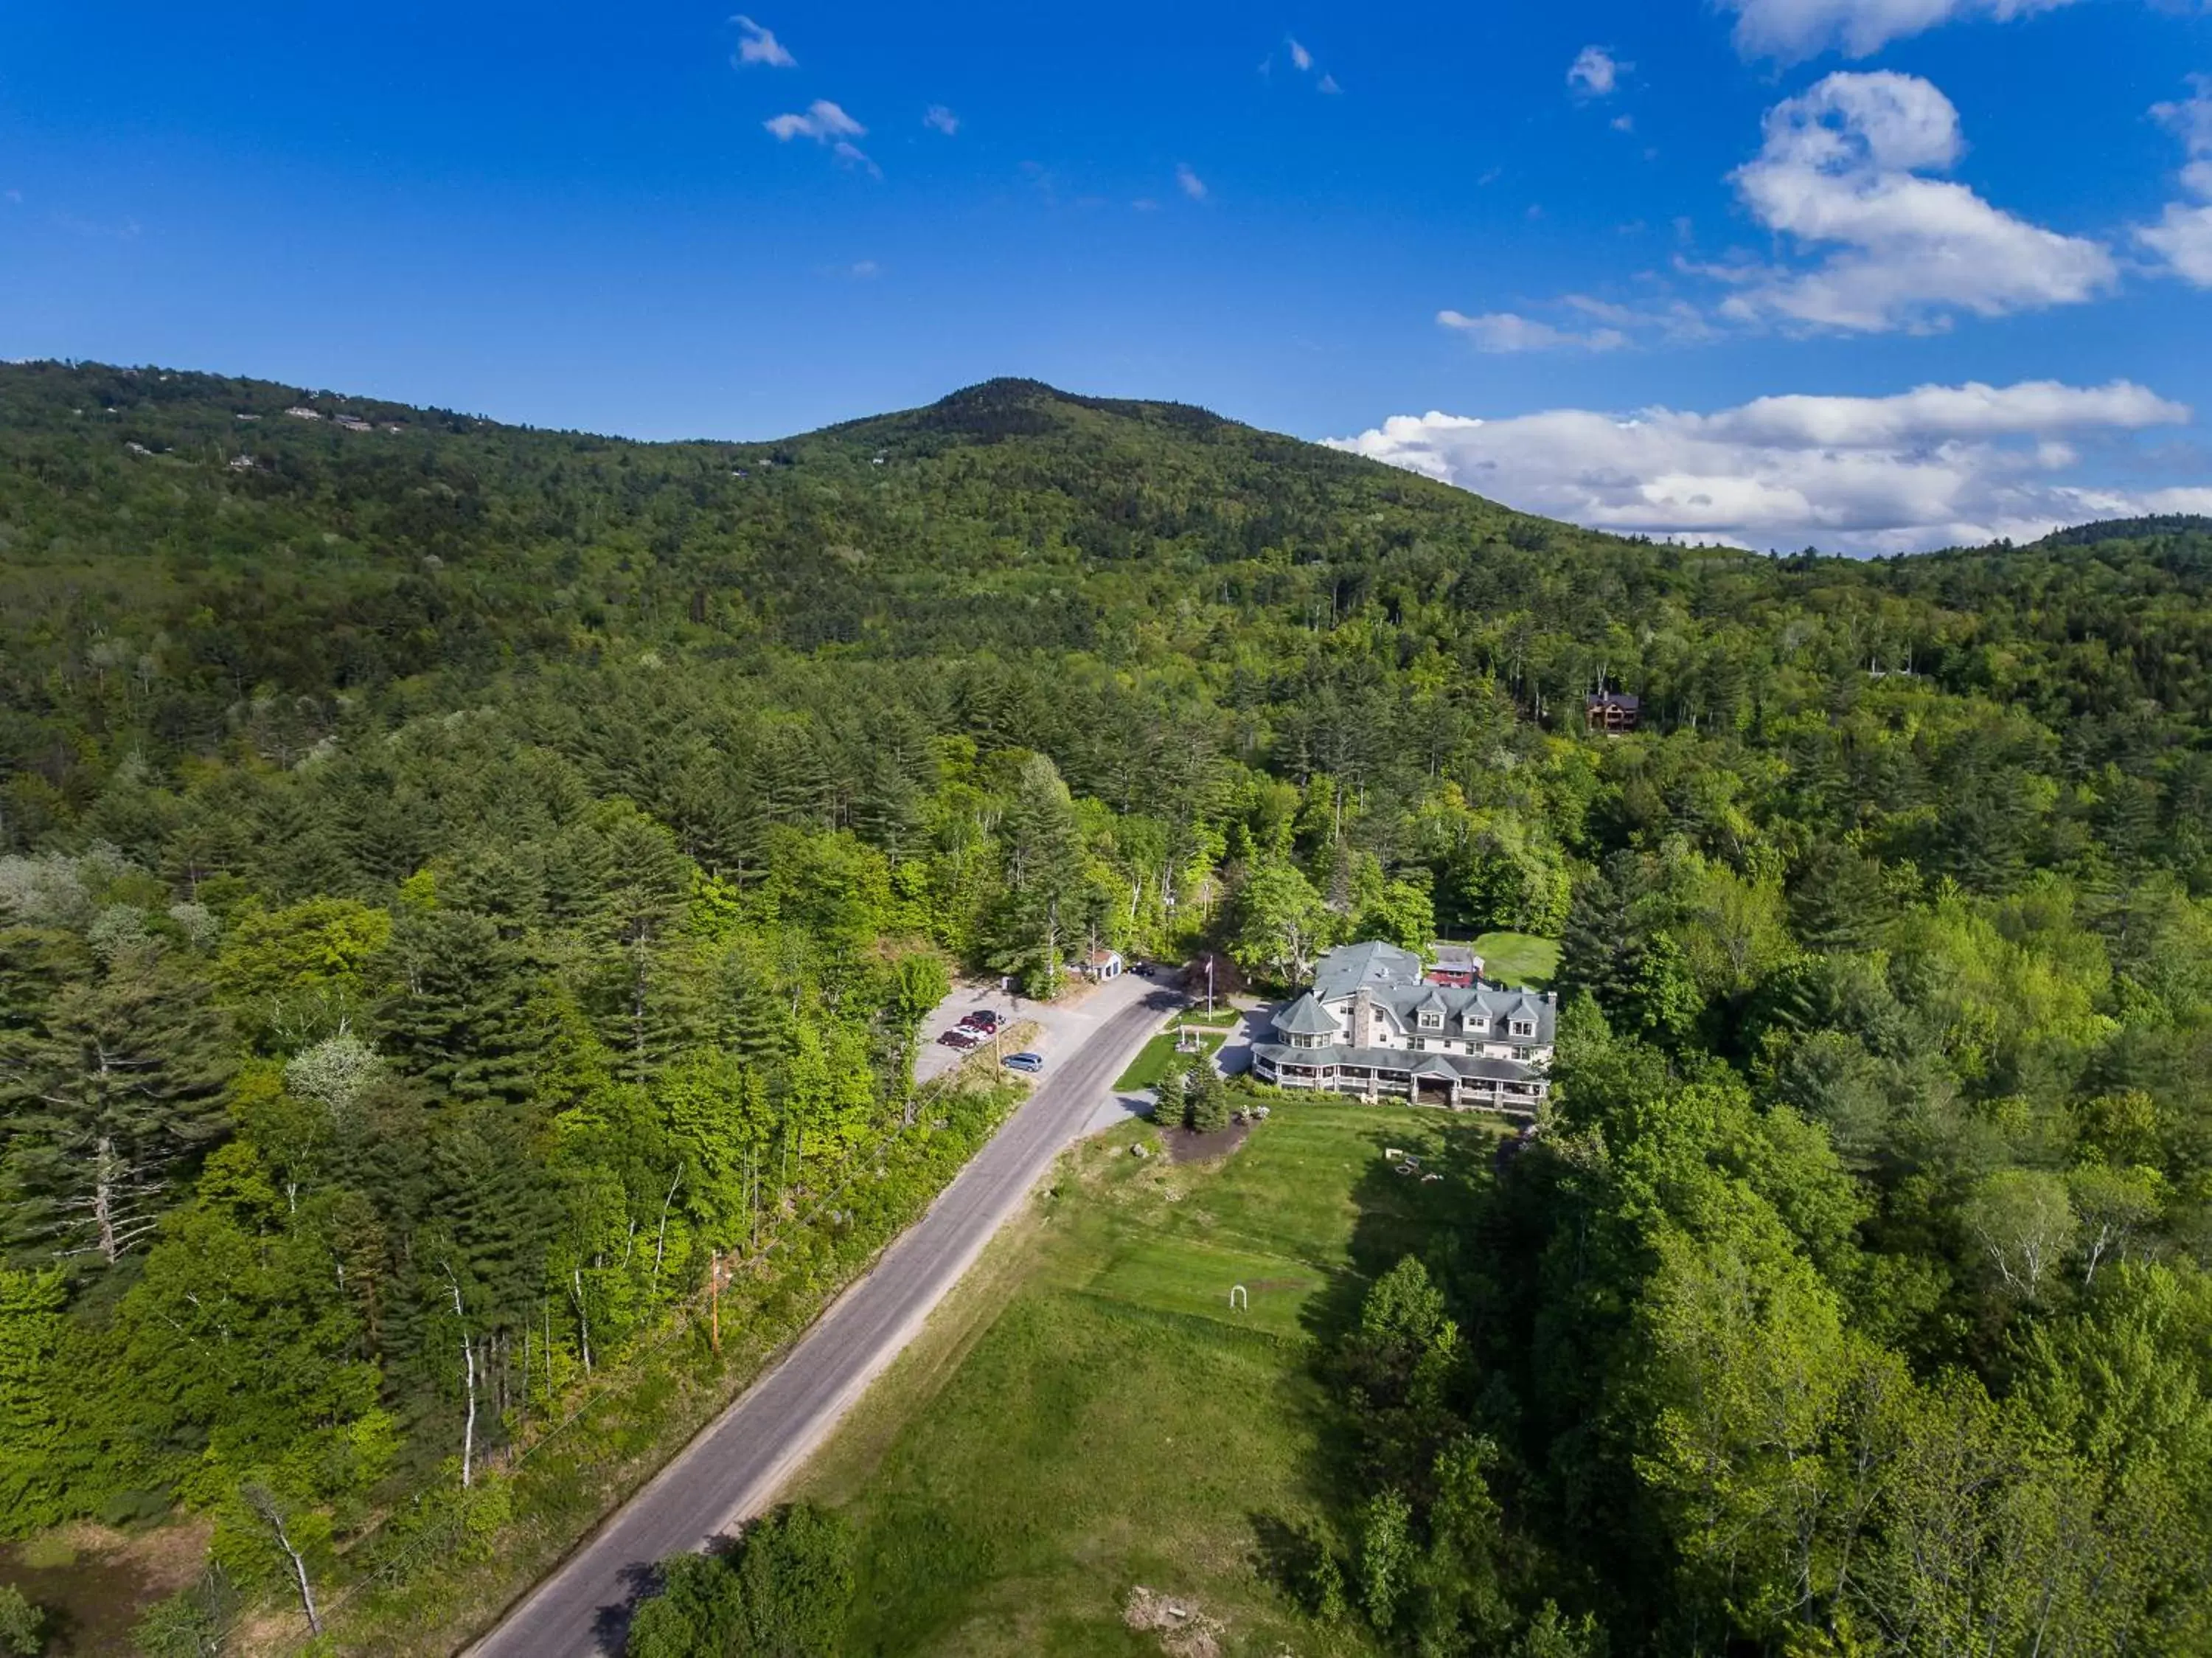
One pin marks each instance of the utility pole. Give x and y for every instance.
(1209, 987)
(714, 1303)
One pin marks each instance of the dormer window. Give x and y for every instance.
(1524, 1027)
(1433, 1021)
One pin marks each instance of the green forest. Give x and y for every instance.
(458, 882)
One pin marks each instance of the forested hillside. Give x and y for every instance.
(454, 880)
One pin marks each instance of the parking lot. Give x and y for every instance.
(1058, 1024)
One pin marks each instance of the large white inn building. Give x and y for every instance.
(1374, 1025)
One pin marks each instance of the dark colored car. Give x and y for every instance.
(981, 1020)
(1031, 1063)
(957, 1039)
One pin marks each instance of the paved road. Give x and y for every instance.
(735, 1468)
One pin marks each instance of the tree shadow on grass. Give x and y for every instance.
(1434, 1204)
(1434, 1201)
(1288, 1558)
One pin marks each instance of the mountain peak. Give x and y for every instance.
(1014, 407)
(1001, 389)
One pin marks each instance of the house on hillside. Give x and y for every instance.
(1373, 1026)
(1611, 712)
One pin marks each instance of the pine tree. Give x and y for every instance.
(896, 768)
(108, 1089)
(297, 852)
(1209, 1096)
(1173, 1106)
(642, 983)
(749, 1012)
(1044, 871)
(1839, 903)
(1594, 952)
(459, 1017)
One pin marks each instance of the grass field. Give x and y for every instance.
(1086, 1413)
(1518, 959)
(1220, 1019)
(1151, 1061)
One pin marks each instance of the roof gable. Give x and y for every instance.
(1307, 1017)
(1374, 964)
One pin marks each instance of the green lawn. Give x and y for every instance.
(1219, 1019)
(1087, 1413)
(1518, 959)
(1151, 1061)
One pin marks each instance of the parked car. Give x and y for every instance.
(959, 1039)
(983, 1019)
(1031, 1063)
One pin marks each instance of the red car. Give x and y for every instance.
(958, 1038)
(981, 1020)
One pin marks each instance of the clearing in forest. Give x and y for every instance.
(1087, 1415)
(1518, 959)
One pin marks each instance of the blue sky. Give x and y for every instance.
(1874, 274)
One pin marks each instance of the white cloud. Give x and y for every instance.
(826, 123)
(2183, 236)
(1677, 322)
(940, 120)
(758, 46)
(1842, 168)
(823, 122)
(1794, 29)
(1190, 183)
(1505, 331)
(1302, 60)
(1596, 72)
(2191, 118)
(1932, 467)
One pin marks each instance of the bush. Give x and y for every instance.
(23, 1625)
(783, 1591)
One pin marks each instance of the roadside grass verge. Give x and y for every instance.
(1520, 959)
(428, 1586)
(1152, 1060)
(1086, 1413)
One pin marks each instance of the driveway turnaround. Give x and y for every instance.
(735, 1467)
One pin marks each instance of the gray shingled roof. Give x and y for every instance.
(1374, 964)
(1394, 977)
(1307, 1017)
